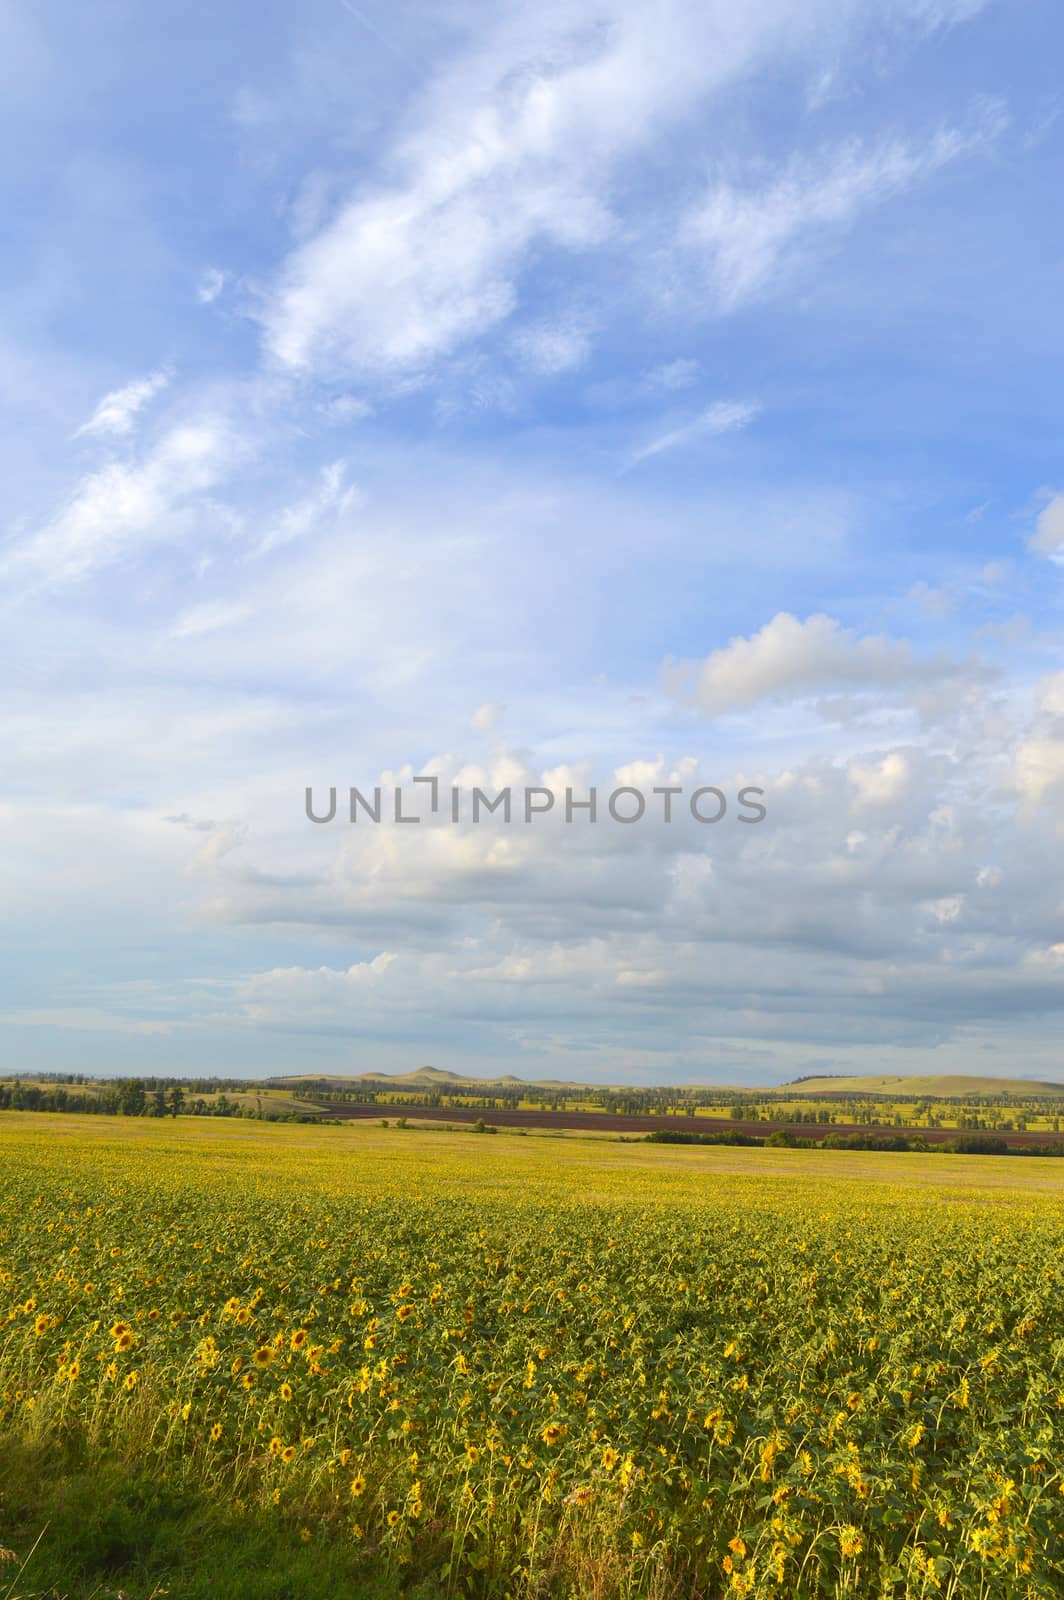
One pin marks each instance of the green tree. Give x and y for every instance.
(133, 1100)
(176, 1100)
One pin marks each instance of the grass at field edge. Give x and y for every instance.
(107, 1529)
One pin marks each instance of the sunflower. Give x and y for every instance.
(42, 1323)
(124, 1341)
(118, 1329)
(358, 1486)
(472, 1453)
(404, 1312)
(610, 1458)
(131, 1381)
(286, 1391)
(73, 1370)
(552, 1433)
(276, 1446)
(288, 1454)
(299, 1338)
(216, 1432)
(392, 1518)
(263, 1355)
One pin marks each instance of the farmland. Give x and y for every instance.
(383, 1362)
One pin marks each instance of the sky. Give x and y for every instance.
(591, 394)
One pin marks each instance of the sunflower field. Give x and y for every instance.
(534, 1367)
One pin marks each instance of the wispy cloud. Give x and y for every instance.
(118, 411)
(208, 618)
(332, 498)
(724, 416)
(518, 149)
(748, 235)
(211, 285)
(122, 505)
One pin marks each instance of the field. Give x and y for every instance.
(305, 1362)
(610, 1122)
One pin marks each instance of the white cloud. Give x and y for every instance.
(880, 783)
(1048, 537)
(207, 618)
(1038, 773)
(211, 285)
(516, 150)
(119, 506)
(1040, 769)
(550, 348)
(332, 499)
(117, 411)
(724, 416)
(683, 373)
(346, 408)
(485, 718)
(747, 235)
(1051, 695)
(948, 909)
(310, 992)
(788, 658)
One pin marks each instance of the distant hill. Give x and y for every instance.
(943, 1086)
(424, 1078)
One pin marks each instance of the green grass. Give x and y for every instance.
(102, 1525)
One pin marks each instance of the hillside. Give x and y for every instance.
(938, 1086)
(424, 1078)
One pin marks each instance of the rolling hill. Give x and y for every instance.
(937, 1086)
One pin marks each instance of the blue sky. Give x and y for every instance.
(571, 395)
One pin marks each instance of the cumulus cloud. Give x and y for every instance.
(1038, 770)
(118, 411)
(882, 783)
(788, 658)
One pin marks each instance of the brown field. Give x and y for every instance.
(616, 1122)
